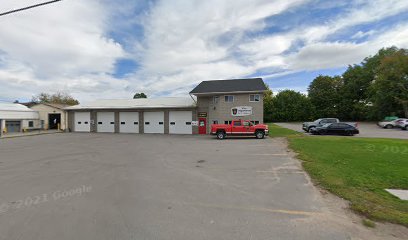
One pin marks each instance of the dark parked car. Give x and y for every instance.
(336, 129)
(307, 126)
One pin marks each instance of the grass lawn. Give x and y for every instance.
(358, 169)
(277, 131)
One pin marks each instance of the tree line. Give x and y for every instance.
(371, 90)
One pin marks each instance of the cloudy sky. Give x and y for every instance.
(97, 49)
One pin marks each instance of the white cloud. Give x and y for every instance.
(55, 45)
(324, 55)
(361, 34)
(188, 41)
(66, 46)
(361, 13)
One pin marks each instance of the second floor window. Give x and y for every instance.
(229, 98)
(254, 98)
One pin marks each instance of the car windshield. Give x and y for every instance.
(247, 123)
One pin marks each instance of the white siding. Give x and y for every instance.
(154, 122)
(129, 122)
(180, 122)
(82, 122)
(105, 122)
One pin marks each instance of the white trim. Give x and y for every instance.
(233, 98)
(218, 99)
(232, 92)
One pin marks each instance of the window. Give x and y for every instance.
(188, 123)
(135, 123)
(99, 123)
(160, 123)
(85, 122)
(31, 124)
(122, 123)
(227, 122)
(237, 123)
(172, 123)
(79, 122)
(112, 122)
(254, 97)
(147, 123)
(229, 98)
(247, 124)
(215, 121)
(255, 122)
(216, 99)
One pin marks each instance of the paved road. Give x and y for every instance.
(104, 186)
(369, 130)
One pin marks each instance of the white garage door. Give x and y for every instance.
(153, 122)
(82, 122)
(180, 122)
(129, 122)
(106, 122)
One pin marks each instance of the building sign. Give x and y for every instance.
(241, 111)
(202, 114)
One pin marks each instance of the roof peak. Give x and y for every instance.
(230, 85)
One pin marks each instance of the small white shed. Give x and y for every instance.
(16, 117)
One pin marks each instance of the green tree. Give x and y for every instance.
(289, 105)
(357, 92)
(59, 98)
(391, 85)
(139, 95)
(354, 99)
(267, 100)
(324, 94)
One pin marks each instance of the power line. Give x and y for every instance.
(26, 8)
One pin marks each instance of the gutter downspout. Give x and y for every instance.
(193, 99)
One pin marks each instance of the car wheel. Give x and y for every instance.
(389, 126)
(405, 128)
(220, 135)
(259, 134)
(349, 133)
(310, 129)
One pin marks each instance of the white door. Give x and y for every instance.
(153, 122)
(105, 122)
(82, 121)
(129, 122)
(180, 122)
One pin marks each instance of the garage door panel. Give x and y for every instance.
(105, 122)
(154, 122)
(82, 122)
(180, 122)
(129, 122)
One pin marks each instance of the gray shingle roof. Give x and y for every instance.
(231, 85)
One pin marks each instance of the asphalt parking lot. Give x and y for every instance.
(117, 186)
(368, 130)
